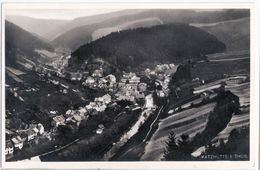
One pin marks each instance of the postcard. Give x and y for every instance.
(129, 85)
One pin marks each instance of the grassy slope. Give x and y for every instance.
(235, 33)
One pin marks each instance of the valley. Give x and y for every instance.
(130, 85)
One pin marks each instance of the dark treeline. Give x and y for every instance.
(130, 48)
(82, 31)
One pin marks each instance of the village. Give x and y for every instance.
(129, 90)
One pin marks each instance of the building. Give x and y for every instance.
(104, 99)
(90, 80)
(75, 76)
(107, 98)
(111, 78)
(58, 120)
(98, 73)
(128, 75)
(69, 113)
(17, 142)
(40, 128)
(134, 79)
(131, 87)
(100, 129)
(9, 149)
(31, 134)
(126, 98)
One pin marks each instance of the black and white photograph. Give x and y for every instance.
(126, 84)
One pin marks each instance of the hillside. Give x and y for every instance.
(79, 34)
(90, 20)
(41, 27)
(164, 43)
(20, 42)
(234, 33)
(147, 22)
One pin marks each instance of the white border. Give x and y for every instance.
(254, 89)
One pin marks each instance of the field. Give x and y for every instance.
(242, 91)
(211, 71)
(190, 122)
(234, 33)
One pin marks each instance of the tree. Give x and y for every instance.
(177, 149)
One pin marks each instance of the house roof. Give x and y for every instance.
(59, 118)
(77, 118)
(16, 140)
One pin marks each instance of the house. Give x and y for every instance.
(53, 112)
(101, 126)
(121, 85)
(100, 129)
(36, 131)
(76, 118)
(107, 98)
(17, 142)
(128, 75)
(82, 111)
(98, 73)
(134, 79)
(104, 99)
(111, 79)
(75, 76)
(131, 87)
(30, 135)
(69, 113)
(126, 98)
(9, 149)
(101, 108)
(123, 80)
(40, 128)
(90, 80)
(58, 120)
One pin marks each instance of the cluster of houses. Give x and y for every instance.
(71, 117)
(130, 88)
(97, 80)
(74, 117)
(162, 73)
(15, 141)
(100, 103)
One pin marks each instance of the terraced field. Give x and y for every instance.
(190, 122)
(237, 122)
(242, 91)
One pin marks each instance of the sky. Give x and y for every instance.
(61, 11)
(62, 14)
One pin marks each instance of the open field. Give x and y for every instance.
(210, 71)
(229, 55)
(189, 122)
(14, 71)
(242, 91)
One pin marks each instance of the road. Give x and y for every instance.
(228, 59)
(135, 149)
